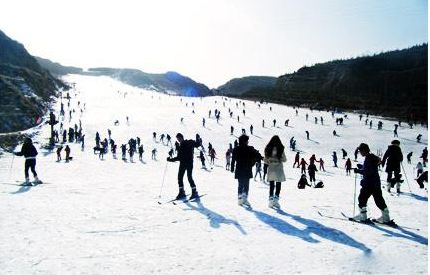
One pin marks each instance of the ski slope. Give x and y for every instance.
(102, 217)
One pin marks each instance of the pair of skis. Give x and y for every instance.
(184, 200)
(344, 217)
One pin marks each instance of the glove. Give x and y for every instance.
(356, 170)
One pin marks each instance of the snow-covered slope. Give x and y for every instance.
(102, 217)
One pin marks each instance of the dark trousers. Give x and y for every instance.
(243, 187)
(265, 166)
(181, 172)
(272, 188)
(312, 176)
(374, 191)
(30, 164)
(391, 179)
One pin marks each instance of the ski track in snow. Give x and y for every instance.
(102, 216)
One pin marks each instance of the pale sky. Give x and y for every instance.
(212, 41)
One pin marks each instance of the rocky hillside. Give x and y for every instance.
(392, 84)
(25, 88)
(56, 68)
(238, 86)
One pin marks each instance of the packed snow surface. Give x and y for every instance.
(97, 216)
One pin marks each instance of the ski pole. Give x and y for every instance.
(355, 193)
(406, 177)
(162, 183)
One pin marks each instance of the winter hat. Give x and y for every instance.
(395, 142)
(363, 147)
(243, 139)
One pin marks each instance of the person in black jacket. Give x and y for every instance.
(185, 157)
(29, 152)
(243, 159)
(393, 157)
(370, 185)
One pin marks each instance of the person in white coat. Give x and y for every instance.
(274, 156)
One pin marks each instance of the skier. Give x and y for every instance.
(204, 122)
(162, 139)
(140, 152)
(307, 134)
(154, 136)
(297, 160)
(212, 155)
(243, 159)
(419, 138)
(154, 154)
(393, 157)
(370, 186)
(344, 153)
(420, 168)
(311, 171)
(395, 130)
(321, 162)
(169, 140)
(258, 169)
(59, 153)
(274, 156)
(303, 164)
(334, 159)
(408, 157)
(185, 158)
(348, 166)
(97, 139)
(274, 123)
(251, 129)
(421, 179)
(356, 154)
(312, 159)
(29, 152)
(123, 151)
(263, 123)
(286, 122)
(228, 158)
(67, 150)
(303, 182)
(334, 133)
(202, 159)
(231, 130)
(424, 156)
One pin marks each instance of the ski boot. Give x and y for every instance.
(27, 182)
(385, 217)
(275, 202)
(194, 194)
(181, 195)
(362, 216)
(37, 180)
(245, 200)
(270, 201)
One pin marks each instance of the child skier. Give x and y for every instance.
(29, 152)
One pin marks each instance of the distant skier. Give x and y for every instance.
(356, 154)
(29, 152)
(297, 160)
(204, 122)
(419, 138)
(334, 156)
(124, 151)
(408, 157)
(370, 186)
(263, 123)
(231, 130)
(393, 157)
(307, 135)
(67, 150)
(185, 157)
(312, 169)
(344, 153)
(274, 123)
(258, 169)
(243, 159)
(321, 162)
(303, 164)
(202, 159)
(154, 136)
(251, 129)
(59, 149)
(348, 166)
(228, 158)
(424, 156)
(420, 168)
(140, 152)
(286, 122)
(303, 182)
(154, 154)
(212, 155)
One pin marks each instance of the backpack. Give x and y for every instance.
(319, 184)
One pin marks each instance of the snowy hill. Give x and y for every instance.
(102, 217)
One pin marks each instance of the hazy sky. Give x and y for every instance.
(212, 41)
